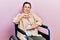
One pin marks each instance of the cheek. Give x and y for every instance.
(24, 9)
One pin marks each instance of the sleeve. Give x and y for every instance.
(37, 19)
(16, 19)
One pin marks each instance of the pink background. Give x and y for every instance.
(48, 10)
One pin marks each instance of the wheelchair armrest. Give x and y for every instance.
(44, 26)
(21, 31)
(43, 34)
(18, 29)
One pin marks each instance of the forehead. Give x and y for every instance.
(27, 5)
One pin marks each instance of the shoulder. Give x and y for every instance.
(34, 14)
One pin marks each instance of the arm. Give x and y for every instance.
(18, 18)
(37, 22)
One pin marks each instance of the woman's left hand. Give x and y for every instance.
(30, 28)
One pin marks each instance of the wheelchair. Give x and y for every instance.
(46, 36)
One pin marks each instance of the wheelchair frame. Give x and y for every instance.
(14, 37)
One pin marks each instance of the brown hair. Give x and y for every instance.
(26, 3)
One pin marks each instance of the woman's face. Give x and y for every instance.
(26, 8)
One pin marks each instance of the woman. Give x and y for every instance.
(28, 22)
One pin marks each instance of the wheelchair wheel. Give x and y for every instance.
(13, 37)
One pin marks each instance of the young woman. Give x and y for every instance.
(28, 22)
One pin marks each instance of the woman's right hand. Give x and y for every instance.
(26, 15)
(23, 15)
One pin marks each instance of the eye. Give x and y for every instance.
(25, 6)
(28, 7)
